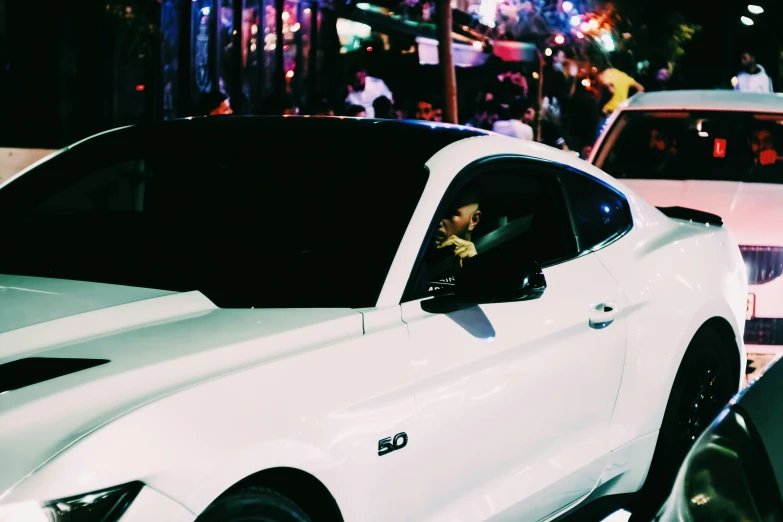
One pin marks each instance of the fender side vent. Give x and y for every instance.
(33, 370)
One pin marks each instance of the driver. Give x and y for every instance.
(453, 239)
(762, 143)
(456, 227)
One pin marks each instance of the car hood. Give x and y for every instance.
(156, 342)
(752, 211)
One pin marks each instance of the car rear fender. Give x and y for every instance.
(677, 276)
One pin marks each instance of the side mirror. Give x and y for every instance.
(490, 278)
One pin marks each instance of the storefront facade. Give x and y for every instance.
(242, 48)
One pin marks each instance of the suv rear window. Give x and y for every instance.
(697, 145)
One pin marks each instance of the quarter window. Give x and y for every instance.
(599, 212)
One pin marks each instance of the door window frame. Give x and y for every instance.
(463, 178)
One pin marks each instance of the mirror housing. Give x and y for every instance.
(490, 278)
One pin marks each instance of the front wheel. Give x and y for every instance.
(702, 387)
(253, 504)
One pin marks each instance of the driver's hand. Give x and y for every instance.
(462, 247)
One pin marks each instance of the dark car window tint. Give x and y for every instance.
(523, 214)
(600, 213)
(696, 145)
(302, 218)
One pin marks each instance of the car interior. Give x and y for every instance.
(523, 215)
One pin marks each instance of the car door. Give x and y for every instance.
(515, 399)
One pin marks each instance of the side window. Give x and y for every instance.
(513, 207)
(118, 187)
(600, 213)
(276, 233)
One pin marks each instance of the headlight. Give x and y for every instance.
(102, 506)
(726, 476)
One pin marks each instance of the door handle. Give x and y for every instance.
(603, 315)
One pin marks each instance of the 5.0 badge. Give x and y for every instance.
(389, 444)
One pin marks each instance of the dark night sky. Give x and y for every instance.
(713, 56)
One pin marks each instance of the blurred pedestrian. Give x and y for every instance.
(363, 90)
(583, 116)
(620, 85)
(384, 108)
(662, 79)
(428, 110)
(493, 113)
(513, 126)
(480, 119)
(753, 77)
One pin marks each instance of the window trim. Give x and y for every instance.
(614, 237)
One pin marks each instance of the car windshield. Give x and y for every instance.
(703, 145)
(236, 211)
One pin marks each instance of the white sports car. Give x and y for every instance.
(238, 319)
(719, 152)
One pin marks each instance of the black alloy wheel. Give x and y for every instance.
(706, 393)
(702, 387)
(253, 504)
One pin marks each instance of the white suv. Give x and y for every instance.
(719, 152)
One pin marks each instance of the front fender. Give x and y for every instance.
(313, 412)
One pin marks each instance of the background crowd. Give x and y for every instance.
(576, 98)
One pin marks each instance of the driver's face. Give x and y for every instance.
(460, 222)
(761, 140)
(748, 62)
(657, 140)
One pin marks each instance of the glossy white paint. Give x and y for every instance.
(522, 426)
(150, 501)
(525, 359)
(752, 211)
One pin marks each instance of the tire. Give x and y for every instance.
(702, 387)
(253, 504)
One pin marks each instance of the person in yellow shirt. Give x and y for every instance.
(620, 84)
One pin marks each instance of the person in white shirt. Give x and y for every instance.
(365, 89)
(512, 125)
(753, 77)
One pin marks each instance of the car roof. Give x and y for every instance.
(344, 128)
(430, 143)
(723, 100)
